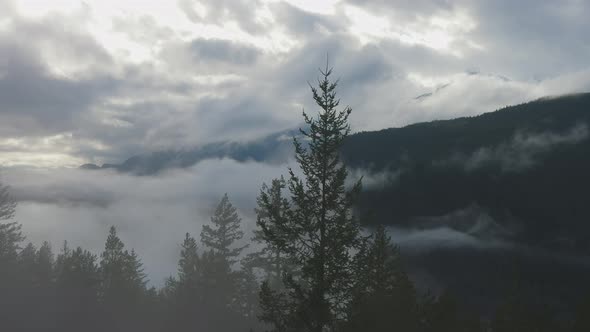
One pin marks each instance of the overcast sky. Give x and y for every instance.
(99, 81)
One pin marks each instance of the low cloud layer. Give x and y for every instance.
(152, 214)
(521, 151)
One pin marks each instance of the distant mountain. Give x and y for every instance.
(275, 148)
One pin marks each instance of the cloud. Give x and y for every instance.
(151, 213)
(521, 151)
(223, 50)
(121, 80)
(373, 180)
(243, 12)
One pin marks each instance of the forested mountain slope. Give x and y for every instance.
(527, 166)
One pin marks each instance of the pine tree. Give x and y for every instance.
(123, 282)
(188, 265)
(77, 288)
(184, 292)
(218, 291)
(384, 297)
(272, 210)
(246, 302)
(319, 232)
(10, 232)
(219, 280)
(35, 286)
(443, 314)
(27, 261)
(582, 316)
(276, 308)
(224, 232)
(45, 263)
(10, 244)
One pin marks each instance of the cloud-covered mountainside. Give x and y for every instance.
(525, 165)
(499, 195)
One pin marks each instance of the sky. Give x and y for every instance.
(101, 81)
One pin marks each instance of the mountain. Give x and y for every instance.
(527, 166)
(477, 204)
(275, 148)
(524, 166)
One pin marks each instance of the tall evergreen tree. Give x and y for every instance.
(224, 232)
(320, 231)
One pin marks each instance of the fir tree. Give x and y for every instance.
(185, 292)
(319, 231)
(272, 210)
(77, 287)
(224, 232)
(220, 282)
(384, 296)
(123, 282)
(582, 316)
(10, 232)
(45, 263)
(11, 238)
(188, 265)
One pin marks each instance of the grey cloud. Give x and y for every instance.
(221, 12)
(223, 50)
(144, 29)
(151, 213)
(36, 101)
(303, 24)
(522, 151)
(374, 180)
(115, 110)
(39, 102)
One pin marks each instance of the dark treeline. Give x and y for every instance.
(314, 268)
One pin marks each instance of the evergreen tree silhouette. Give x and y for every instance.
(384, 296)
(319, 231)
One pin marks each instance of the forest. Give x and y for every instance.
(316, 265)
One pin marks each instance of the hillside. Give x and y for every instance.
(477, 203)
(526, 166)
